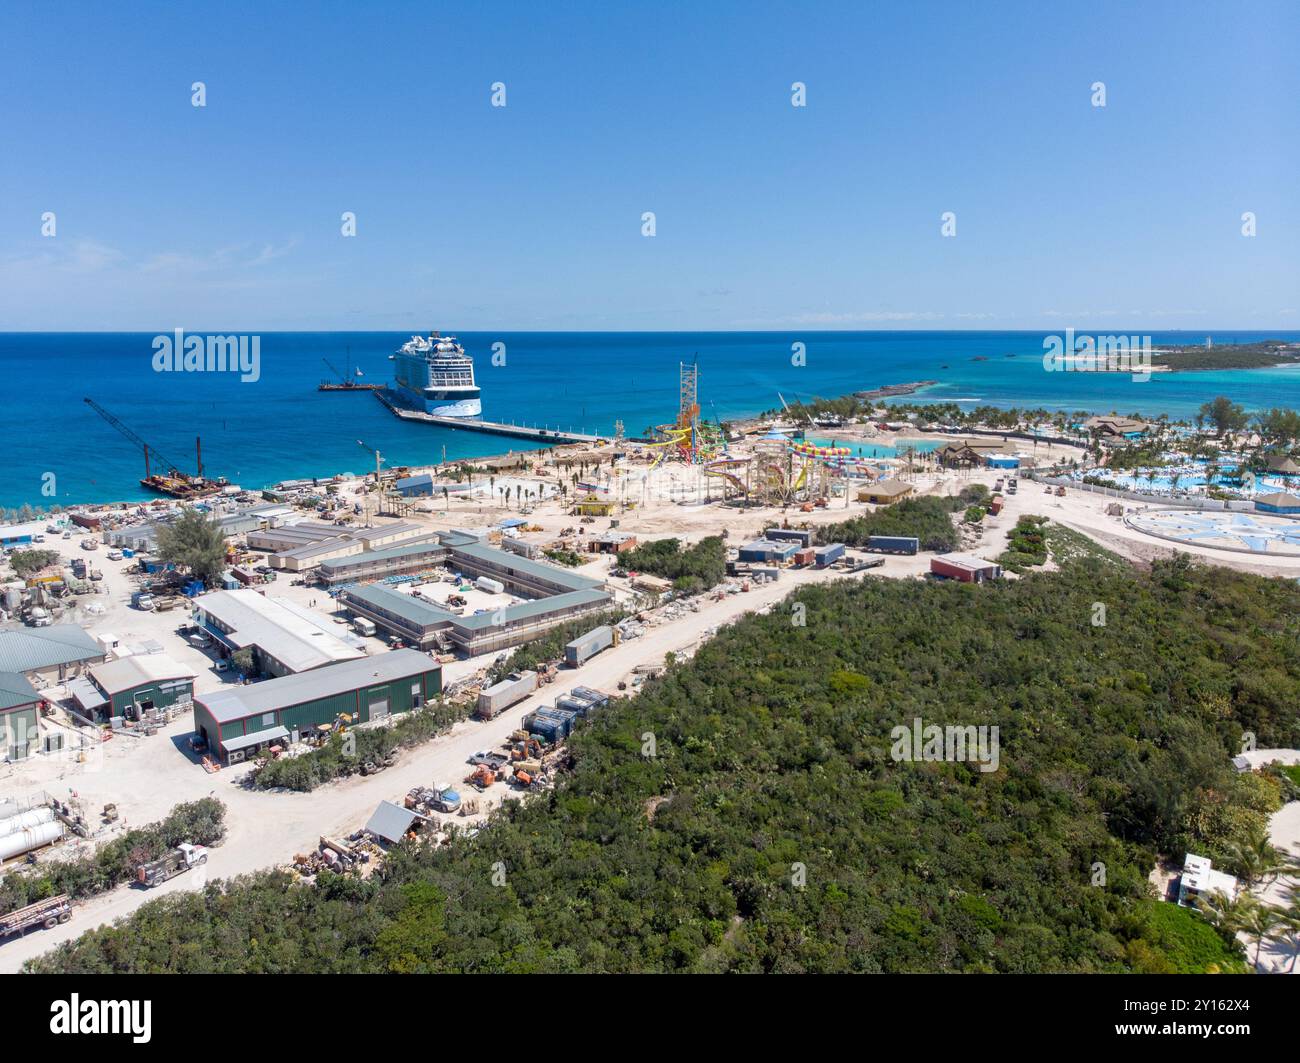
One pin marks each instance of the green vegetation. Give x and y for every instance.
(1167, 939)
(1259, 355)
(358, 750)
(201, 822)
(29, 562)
(692, 568)
(567, 558)
(550, 647)
(928, 519)
(1026, 544)
(194, 542)
(1224, 414)
(773, 751)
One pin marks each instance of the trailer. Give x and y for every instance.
(47, 913)
(827, 555)
(585, 647)
(893, 544)
(180, 859)
(494, 700)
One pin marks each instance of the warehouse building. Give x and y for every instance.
(19, 708)
(381, 564)
(131, 686)
(419, 622)
(302, 547)
(237, 722)
(520, 575)
(285, 638)
(53, 653)
(426, 625)
(964, 567)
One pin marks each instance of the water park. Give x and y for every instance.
(772, 469)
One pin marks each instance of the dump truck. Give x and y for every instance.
(182, 858)
(500, 696)
(46, 913)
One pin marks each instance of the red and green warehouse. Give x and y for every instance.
(238, 721)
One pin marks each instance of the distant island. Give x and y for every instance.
(890, 390)
(1263, 354)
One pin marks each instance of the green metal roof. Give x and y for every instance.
(393, 601)
(30, 650)
(241, 702)
(527, 610)
(15, 691)
(538, 569)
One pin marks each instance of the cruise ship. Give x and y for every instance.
(437, 376)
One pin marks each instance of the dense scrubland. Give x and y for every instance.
(771, 830)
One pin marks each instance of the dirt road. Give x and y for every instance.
(268, 828)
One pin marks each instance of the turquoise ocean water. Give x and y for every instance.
(280, 426)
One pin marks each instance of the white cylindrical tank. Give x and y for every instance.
(16, 821)
(487, 583)
(33, 838)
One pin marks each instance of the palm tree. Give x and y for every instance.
(1254, 858)
(1229, 915)
(1263, 924)
(1289, 920)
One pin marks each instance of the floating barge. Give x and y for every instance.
(326, 385)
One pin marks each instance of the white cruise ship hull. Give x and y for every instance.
(460, 408)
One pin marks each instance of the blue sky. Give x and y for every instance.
(529, 216)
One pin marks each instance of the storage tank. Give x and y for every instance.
(492, 586)
(14, 820)
(32, 838)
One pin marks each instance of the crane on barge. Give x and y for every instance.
(173, 482)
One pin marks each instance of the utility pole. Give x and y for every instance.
(379, 505)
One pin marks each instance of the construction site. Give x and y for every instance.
(454, 566)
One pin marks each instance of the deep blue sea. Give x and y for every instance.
(281, 426)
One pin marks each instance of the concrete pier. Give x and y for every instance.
(473, 424)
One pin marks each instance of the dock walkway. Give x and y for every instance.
(517, 431)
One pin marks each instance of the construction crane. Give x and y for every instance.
(172, 482)
(170, 466)
(379, 460)
(330, 365)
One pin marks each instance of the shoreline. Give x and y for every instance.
(746, 424)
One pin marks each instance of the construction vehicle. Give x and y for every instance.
(481, 777)
(439, 799)
(182, 858)
(47, 913)
(110, 813)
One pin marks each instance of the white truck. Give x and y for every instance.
(182, 858)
